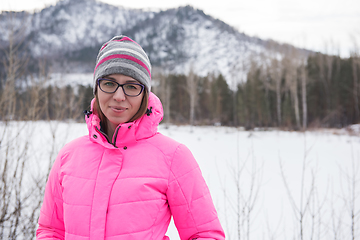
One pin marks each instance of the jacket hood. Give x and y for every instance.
(127, 134)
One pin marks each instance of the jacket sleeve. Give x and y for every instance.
(189, 199)
(51, 224)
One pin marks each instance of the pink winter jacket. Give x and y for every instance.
(128, 190)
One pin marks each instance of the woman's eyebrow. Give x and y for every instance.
(109, 78)
(131, 81)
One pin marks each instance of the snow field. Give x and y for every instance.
(230, 158)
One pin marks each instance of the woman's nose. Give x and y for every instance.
(119, 95)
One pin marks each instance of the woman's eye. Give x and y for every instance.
(108, 84)
(131, 86)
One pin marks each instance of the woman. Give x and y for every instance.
(125, 180)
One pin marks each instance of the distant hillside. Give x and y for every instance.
(69, 34)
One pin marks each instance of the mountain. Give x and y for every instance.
(69, 34)
(184, 38)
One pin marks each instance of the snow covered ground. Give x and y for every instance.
(228, 156)
(253, 196)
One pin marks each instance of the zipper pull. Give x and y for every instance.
(148, 111)
(87, 113)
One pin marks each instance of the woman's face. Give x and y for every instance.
(117, 107)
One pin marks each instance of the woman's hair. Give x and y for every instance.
(139, 114)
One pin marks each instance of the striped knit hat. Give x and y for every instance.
(123, 55)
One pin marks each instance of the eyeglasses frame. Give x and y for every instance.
(120, 85)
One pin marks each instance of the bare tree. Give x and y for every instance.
(351, 195)
(20, 190)
(335, 228)
(355, 67)
(303, 77)
(162, 88)
(325, 63)
(14, 65)
(309, 204)
(275, 70)
(290, 64)
(246, 197)
(36, 105)
(192, 83)
(355, 54)
(237, 69)
(11, 162)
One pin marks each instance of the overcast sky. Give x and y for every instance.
(321, 25)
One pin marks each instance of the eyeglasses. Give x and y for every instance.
(111, 86)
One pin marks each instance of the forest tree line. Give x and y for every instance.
(320, 92)
(323, 91)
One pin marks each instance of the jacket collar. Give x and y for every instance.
(126, 134)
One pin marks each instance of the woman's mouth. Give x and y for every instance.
(118, 109)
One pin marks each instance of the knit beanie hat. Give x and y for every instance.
(124, 56)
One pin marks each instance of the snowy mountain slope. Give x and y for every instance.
(185, 38)
(72, 25)
(176, 40)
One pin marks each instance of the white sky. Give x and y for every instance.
(329, 26)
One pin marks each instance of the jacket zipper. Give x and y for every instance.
(115, 136)
(107, 137)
